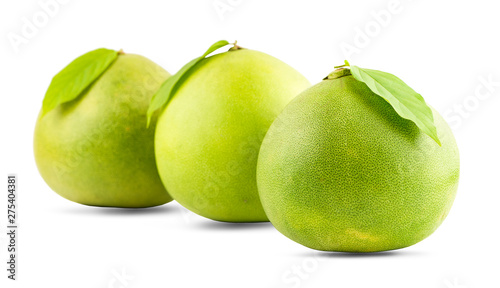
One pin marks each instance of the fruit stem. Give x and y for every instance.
(235, 46)
(120, 52)
(338, 73)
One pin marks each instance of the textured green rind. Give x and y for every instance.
(340, 170)
(96, 150)
(208, 137)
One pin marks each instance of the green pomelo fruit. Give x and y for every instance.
(208, 137)
(340, 170)
(96, 149)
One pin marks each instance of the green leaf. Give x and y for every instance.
(78, 75)
(165, 93)
(407, 103)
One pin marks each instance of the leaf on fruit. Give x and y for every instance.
(165, 93)
(407, 103)
(76, 77)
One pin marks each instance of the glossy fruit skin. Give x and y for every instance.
(208, 137)
(96, 149)
(340, 170)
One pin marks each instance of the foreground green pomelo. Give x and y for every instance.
(96, 149)
(340, 170)
(208, 138)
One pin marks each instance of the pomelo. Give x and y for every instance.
(96, 149)
(340, 170)
(208, 136)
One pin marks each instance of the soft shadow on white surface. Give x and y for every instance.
(227, 226)
(113, 211)
(383, 254)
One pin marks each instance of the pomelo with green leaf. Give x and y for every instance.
(91, 142)
(358, 163)
(217, 111)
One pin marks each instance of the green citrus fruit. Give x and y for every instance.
(96, 150)
(340, 170)
(208, 137)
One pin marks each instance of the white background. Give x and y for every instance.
(441, 48)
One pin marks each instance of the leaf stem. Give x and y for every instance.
(346, 64)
